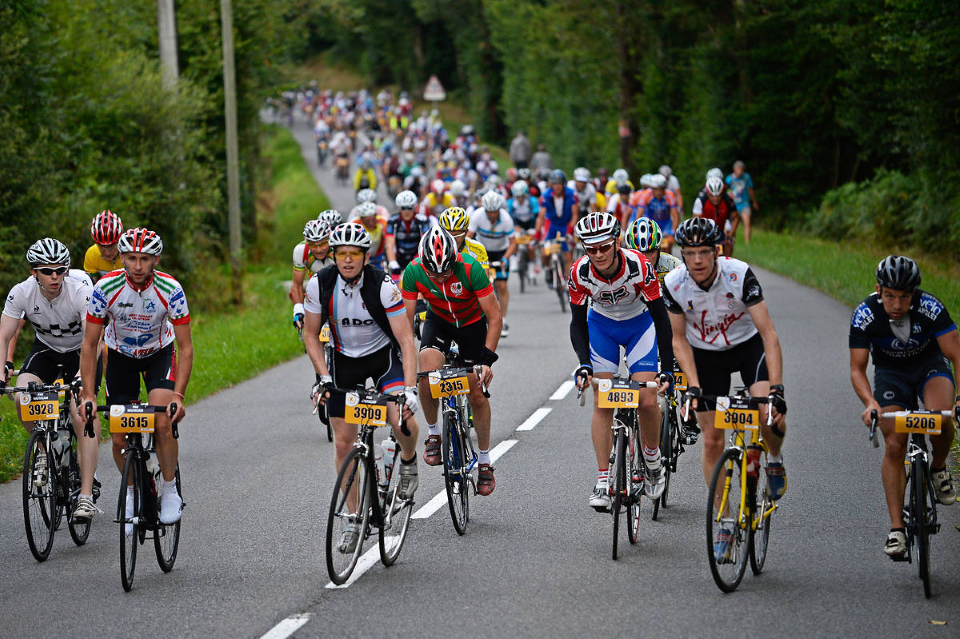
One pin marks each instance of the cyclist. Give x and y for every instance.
(365, 176)
(493, 227)
(716, 205)
(438, 199)
(372, 339)
(376, 227)
(456, 222)
(673, 185)
(103, 256)
(913, 341)
(618, 179)
(600, 182)
(461, 308)
(741, 190)
(148, 312)
(523, 209)
(558, 213)
(588, 199)
(458, 191)
(332, 217)
(404, 230)
(658, 204)
(626, 310)
(721, 325)
(618, 204)
(56, 305)
(312, 253)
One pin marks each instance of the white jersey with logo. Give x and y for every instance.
(621, 297)
(354, 333)
(303, 259)
(717, 318)
(495, 237)
(58, 323)
(141, 318)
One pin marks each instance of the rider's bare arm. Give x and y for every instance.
(312, 323)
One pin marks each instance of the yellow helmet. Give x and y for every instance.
(454, 219)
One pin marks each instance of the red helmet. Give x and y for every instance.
(106, 228)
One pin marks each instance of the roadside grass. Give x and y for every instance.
(235, 344)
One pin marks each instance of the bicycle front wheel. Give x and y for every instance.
(346, 526)
(523, 262)
(39, 495)
(762, 516)
(455, 465)
(728, 521)
(666, 454)
(130, 528)
(396, 515)
(634, 465)
(79, 530)
(618, 498)
(560, 282)
(921, 510)
(166, 538)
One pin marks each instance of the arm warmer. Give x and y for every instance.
(661, 323)
(579, 333)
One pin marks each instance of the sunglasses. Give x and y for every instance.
(352, 255)
(596, 250)
(46, 270)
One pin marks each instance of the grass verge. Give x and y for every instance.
(235, 345)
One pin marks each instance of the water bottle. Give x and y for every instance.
(381, 471)
(753, 461)
(61, 441)
(389, 451)
(153, 467)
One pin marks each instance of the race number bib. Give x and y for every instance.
(37, 407)
(447, 383)
(618, 393)
(365, 410)
(132, 418)
(325, 333)
(920, 422)
(679, 381)
(736, 412)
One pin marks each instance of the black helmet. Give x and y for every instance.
(898, 272)
(698, 231)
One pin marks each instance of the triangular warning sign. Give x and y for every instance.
(434, 90)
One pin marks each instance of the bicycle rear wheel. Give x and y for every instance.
(166, 538)
(79, 530)
(920, 512)
(635, 484)
(727, 555)
(618, 498)
(560, 284)
(666, 453)
(761, 504)
(130, 541)
(39, 501)
(455, 464)
(396, 512)
(353, 479)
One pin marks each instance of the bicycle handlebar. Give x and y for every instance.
(875, 421)
(89, 410)
(582, 398)
(476, 371)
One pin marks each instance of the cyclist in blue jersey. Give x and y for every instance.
(558, 214)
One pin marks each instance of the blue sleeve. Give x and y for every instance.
(729, 180)
(747, 181)
(534, 206)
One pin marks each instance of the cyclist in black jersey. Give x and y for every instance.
(913, 341)
(404, 230)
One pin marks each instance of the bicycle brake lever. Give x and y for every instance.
(874, 420)
(173, 424)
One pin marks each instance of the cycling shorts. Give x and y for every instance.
(43, 361)
(526, 225)
(503, 271)
(636, 335)
(550, 232)
(382, 366)
(714, 368)
(158, 370)
(470, 338)
(901, 387)
(666, 227)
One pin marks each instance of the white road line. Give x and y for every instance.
(565, 388)
(534, 419)
(288, 626)
(431, 506)
(365, 563)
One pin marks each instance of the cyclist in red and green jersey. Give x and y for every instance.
(461, 309)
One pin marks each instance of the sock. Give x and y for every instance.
(434, 429)
(774, 459)
(90, 496)
(651, 454)
(169, 485)
(484, 456)
(603, 475)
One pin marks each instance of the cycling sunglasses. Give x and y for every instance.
(46, 270)
(596, 250)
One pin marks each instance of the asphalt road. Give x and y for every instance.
(535, 562)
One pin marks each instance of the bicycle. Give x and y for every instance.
(920, 509)
(552, 249)
(372, 490)
(738, 505)
(525, 246)
(54, 487)
(671, 441)
(142, 473)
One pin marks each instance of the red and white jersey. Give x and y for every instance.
(621, 297)
(141, 318)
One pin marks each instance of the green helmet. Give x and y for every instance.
(644, 235)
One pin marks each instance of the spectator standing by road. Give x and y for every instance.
(741, 190)
(520, 151)
(541, 159)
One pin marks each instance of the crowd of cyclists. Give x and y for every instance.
(445, 253)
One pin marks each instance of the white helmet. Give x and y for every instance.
(140, 240)
(366, 195)
(519, 188)
(620, 176)
(367, 209)
(332, 217)
(645, 180)
(714, 172)
(665, 171)
(714, 185)
(492, 201)
(350, 234)
(597, 227)
(657, 181)
(581, 174)
(48, 251)
(316, 231)
(494, 180)
(406, 200)
(457, 188)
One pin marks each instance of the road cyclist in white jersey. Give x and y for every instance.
(721, 325)
(312, 254)
(55, 304)
(626, 311)
(492, 226)
(372, 339)
(147, 312)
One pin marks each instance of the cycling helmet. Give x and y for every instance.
(645, 181)
(598, 227)
(438, 186)
(48, 251)
(492, 201)
(665, 171)
(557, 177)
(623, 189)
(366, 195)
(620, 176)
(332, 217)
(494, 180)
(438, 250)
(714, 172)
(644, 235)
(406, 200)
(367, 209)
(519, 188)
(106, 228)
(698, 231)
(140, 240)
(543, 173)
(454, 219)
(581, 174)
(457, 188)
(657, 181)
(714, 185)
(898, 272)
(524, 174)
(350, 234)
(316, 231)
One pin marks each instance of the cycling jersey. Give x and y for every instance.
(407, 235)
(94, 263)
(476, 250)
(902, 343)
(621, 297)
(438, 204)
(524, 213)
(141, 319)
(611, 187)
(560, 219)
(716, 318)
(719, 213)
(354, 332)
(587, 198)
(303, 259)
(738, 189)
(666, 263)
(456, 301)
(657, 209)
(58, 322)
(495, 236)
